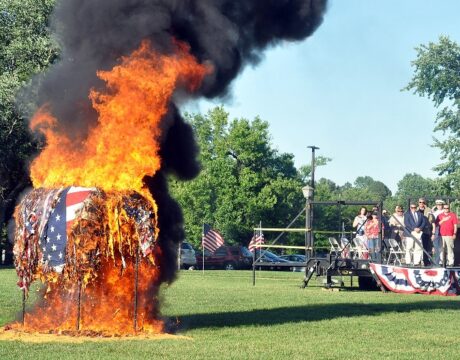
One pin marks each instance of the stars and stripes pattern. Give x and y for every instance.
(211, 240)
(53, 238)
(256, 241)
(437, 281)
(36, 215)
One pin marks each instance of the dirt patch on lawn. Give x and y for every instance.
(10, 334)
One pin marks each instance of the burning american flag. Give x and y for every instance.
(53, 237)
(109, 113)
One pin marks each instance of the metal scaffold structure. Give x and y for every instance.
(332, 264)
(351, 254)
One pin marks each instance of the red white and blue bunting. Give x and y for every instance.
(436, 281)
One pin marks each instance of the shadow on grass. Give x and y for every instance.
(297, 314)
(2, 266)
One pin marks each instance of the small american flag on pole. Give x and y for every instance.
(256, 241)
(212, 240)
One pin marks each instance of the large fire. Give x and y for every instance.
(111, 273)
(124, 145)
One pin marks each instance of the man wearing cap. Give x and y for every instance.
(414, 222)
(424, 211)
(448, 229)
(436, 236)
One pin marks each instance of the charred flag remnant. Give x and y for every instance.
(70, 231)
(92, 246)
(436, 281)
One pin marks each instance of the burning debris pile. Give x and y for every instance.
(76, 240)
(71, 231)
(85, 242)
(108, 110)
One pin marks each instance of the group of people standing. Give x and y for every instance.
(420, 231)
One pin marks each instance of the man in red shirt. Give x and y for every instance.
(448, 229)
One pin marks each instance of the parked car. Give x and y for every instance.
(298, 261)
(226, 257)
(294, 258)
(187, 256)
(276, 263)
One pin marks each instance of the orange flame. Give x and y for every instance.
(119, 151)
(124, 145)
(107, 305)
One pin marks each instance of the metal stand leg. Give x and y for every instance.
(309, 274)
(136, 281)
(23, 307)
(79, 305)
(328, 280)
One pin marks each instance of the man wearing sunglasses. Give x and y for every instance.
(447, 221)
(436, 236)
(414, 222)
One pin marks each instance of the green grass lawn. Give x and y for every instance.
(227, 318)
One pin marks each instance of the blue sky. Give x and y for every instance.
(341, 90)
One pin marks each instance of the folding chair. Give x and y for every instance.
(363, 251)
(396, 250)
(355, 248)
(336, 249)
(346, 247)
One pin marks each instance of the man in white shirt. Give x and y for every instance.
(436, 236)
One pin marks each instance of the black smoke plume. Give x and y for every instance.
(228, 34)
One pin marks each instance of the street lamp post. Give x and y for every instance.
(312, 179)
(308, 193)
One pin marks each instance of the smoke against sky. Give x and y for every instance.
(226, 35)
(341, 90)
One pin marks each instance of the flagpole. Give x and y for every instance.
(254, 263)
(260, 234)
(202, 246)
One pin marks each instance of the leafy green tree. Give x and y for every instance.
(377, 189)
(437, 76)
(243, 180)
(414, 186)
(305, 170)
(26, 48)
(325, 217)
(354, 194)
